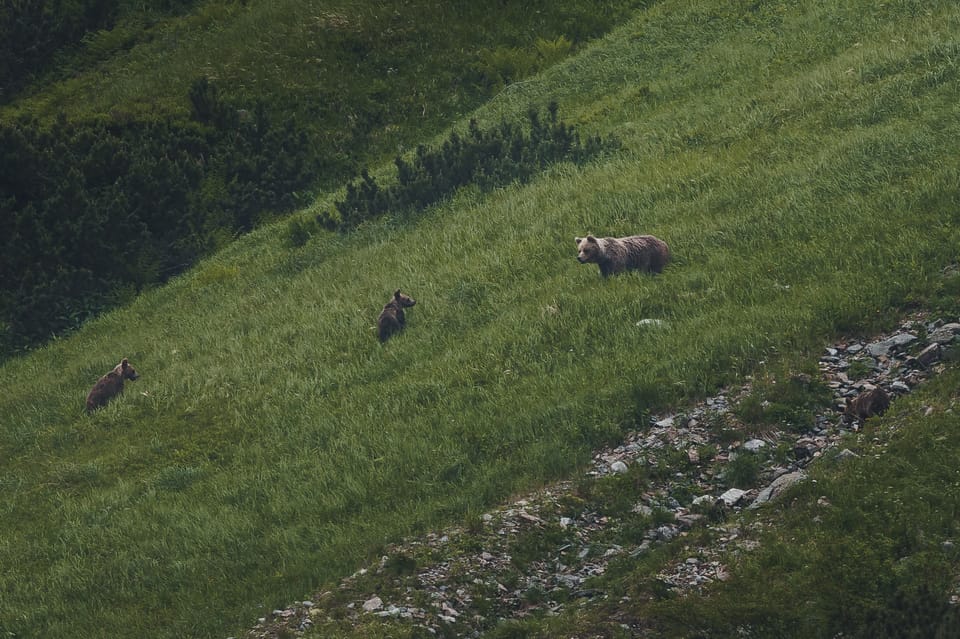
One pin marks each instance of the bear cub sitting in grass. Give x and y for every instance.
(391, 317)
(110, 385)
(617, 254)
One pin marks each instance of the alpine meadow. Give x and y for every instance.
(800, 159)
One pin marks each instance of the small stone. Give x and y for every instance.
(732, 496)
(845, 454)
(929, 355)
(666, 533)
(618, 467)
(945, 334)
(754, 445)
(879, 349)
(690, 520)
(372, 604)
(651, 322)
(775, 489)
(899, 387)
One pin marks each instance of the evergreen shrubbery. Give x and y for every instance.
(115, 206)
(487, 158)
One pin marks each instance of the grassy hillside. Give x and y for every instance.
(799, 160)
(136, 138)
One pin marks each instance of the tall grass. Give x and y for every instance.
(272, 443)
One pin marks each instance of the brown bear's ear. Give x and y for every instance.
(124, 362)
(396, 294)
(592, 239)
(578, 240)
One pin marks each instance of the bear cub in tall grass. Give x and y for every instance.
(617, 254)
(110, 385)
(391, 317)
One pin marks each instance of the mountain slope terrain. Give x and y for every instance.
(800, 162)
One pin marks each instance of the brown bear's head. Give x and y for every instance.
(126, 370)
(588, 249)
(403, 301)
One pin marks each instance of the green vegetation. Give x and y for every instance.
(799, 159)
(867, 550)
(136, 139)
(486, 159)
(783, 401)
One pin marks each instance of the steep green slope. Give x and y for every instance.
(156, 133)
(798, 160)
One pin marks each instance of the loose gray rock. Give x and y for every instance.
(945, 334)
(754, 445)
(929, 355)
(374, 603)
(656, 323)
(732, 496)
(777, 488)
(899, 387)
(881, 348)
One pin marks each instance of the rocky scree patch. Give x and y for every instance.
(686, 472)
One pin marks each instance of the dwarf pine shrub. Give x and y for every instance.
(488, 158)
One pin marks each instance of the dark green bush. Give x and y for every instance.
(487, 158)
(116, 207)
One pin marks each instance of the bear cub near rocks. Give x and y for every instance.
(391, 317)
(617, 254)
(867, 404)
(110, 385)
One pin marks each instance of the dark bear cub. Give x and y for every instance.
(867, 404)
(110, 385)
(391, 317)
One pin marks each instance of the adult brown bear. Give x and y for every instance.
(617, 254)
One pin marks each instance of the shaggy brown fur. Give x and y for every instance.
(615, 255)
(867, 404)
(110, 385)
(391, 317)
